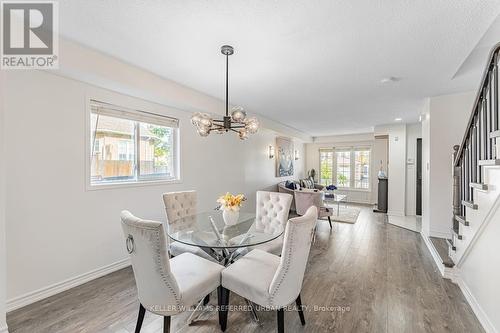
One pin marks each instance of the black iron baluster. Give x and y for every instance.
(484, 119)
(469, 150)
(489, 101)
(489, 120)
(480, 145)
(462, 183)
(480, 135)
(466, 173)
(494, 92)
(474, 154)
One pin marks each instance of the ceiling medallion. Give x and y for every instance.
(237, 122)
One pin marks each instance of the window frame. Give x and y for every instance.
(327, 150)
(352, 168)
(138, 181)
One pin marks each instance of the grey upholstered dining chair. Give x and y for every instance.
(306, 199)
(272, 210)
(165, 286)
(179, 205)
(268, 280)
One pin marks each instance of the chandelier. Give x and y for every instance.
(237, 122)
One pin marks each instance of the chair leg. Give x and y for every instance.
(140, 318)
(223, 307)
(206, 299)
(219, 301)
(166, 324)
(330, 221)
(281, 321)
(298, 302)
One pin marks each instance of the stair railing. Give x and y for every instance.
(478, 147)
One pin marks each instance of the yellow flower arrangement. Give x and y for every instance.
(231, 202)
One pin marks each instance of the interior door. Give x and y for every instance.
(419, 177)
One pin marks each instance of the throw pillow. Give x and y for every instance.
(290, 185)
(307, 183)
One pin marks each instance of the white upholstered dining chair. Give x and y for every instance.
(179, 205)
(306, 199)
(268, 280)
(165, 286)
(271, 215)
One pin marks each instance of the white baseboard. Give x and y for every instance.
(476, 308)
(395, 213)
(454, 275)
(37, 295)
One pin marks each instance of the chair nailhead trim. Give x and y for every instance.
(287, 266)
(164, 276)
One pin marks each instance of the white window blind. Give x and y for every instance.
(110, 110)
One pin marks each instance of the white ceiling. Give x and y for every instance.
(313, 65)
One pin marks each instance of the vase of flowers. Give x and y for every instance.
(230, 206)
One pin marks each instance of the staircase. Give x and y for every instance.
(475, 165)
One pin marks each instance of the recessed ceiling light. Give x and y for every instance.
(390, 79)
(398, 119)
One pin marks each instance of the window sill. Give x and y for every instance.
(141, 183)
(340, 189)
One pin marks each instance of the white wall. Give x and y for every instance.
(448, 119)
(312, 160)
(396, 167)
(3, 326)
(56, 228)
(380, 155)
(413, 132)
(426, 147)
(480, 270)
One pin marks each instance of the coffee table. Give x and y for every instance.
(337, 199)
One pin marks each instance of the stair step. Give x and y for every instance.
(495, 134)
(469, 204)
(441, 246)
(462, 220)
(450, 243)
(479, 186)
(456, 233)
(489, 162)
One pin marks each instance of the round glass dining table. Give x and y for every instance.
(225, 243)
(208, 231)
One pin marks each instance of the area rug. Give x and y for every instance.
(346, 215)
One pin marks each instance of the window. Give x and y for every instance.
(131, 146)
(326, 166)
(362, 169)
(345, 167)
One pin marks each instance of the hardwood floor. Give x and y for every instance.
(365, 277)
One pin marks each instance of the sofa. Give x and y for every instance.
(300, 184)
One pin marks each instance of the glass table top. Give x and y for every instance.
(207, 229)
(336, 198)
